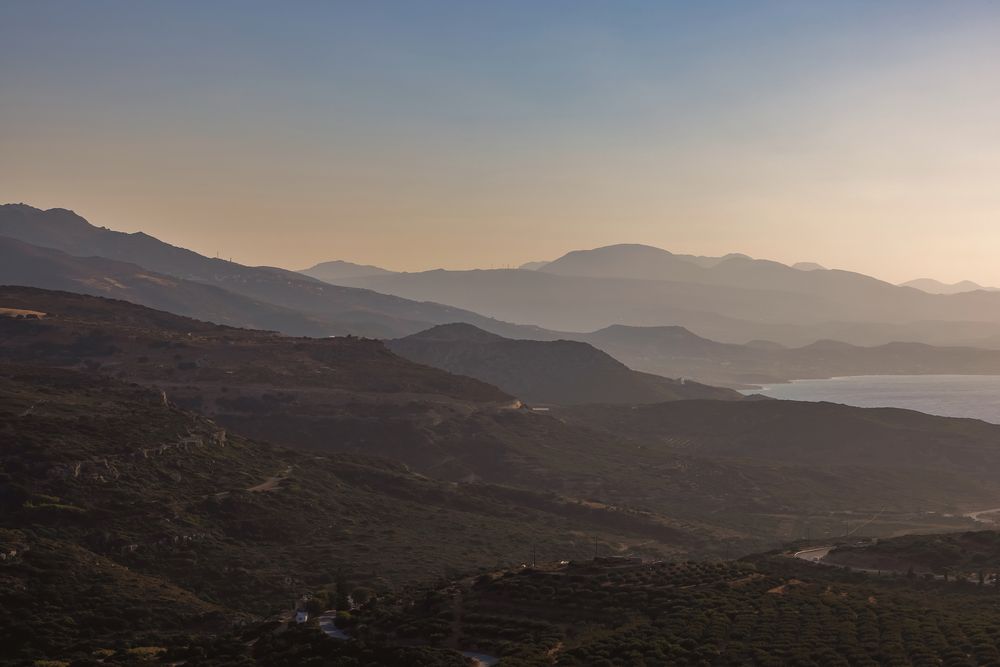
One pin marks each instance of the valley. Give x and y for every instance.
(152, 450)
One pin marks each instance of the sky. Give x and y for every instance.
(415, 135)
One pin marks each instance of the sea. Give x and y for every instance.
(974, 396)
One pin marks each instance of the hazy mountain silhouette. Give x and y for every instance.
(560, 371)
(633, 260)
(336, 269)
(342, 310)
(675, 351)
(932, 286)
(731, 299)
(25, 264)
(532, 266)
(808, 266)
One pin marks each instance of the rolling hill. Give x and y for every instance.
(959, 555)
(561, 371)
(705, 475)
(25, 264)
(147, 524)
(761, 610)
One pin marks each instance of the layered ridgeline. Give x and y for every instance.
(148, 271)
(670, 351)
(732, 299)
(675, 351)
(561, 371)
(802, 467)
(56, 249)
(135, 513)
(932, 286)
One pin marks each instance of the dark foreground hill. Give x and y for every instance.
(762, 610)
(971, 556)
(126, 521)
(766, 610)
(561, 371)
(805, 432)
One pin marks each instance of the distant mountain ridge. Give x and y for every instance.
(731, 299)
(58, 249)
(25, 264)
(932, 286)
(675, 351)
(547, 372)
(337, 310)
(336, 269)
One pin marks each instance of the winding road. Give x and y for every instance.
(813, 554)
(975, 516)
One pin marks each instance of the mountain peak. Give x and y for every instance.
(808, 266)
(338, 269)
(456, 331)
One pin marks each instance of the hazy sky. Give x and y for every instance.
(422, 134)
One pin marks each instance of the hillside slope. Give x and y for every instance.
(145, 523)
(25, 264)
(561, 371)
(711, 475)
(342, 310)
(761, 610)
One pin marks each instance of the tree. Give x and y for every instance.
(342, 591)
(361, 595)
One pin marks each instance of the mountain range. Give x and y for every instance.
(676, 352)
(731, 299)
(58, 249)
(319, 308)
(932, 286)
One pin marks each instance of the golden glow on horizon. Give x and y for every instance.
(867, 153)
